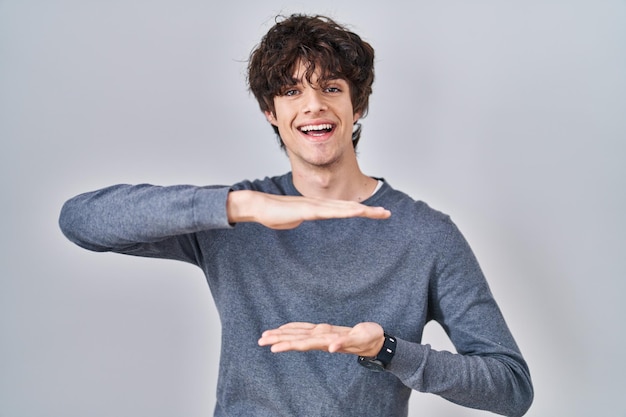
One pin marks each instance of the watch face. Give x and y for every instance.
(371, 364)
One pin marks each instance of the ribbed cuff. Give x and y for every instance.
(209, 208)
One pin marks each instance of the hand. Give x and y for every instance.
(364, 339)
(288, 212)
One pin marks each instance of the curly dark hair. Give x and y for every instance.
(320, 44)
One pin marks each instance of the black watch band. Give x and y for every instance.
(379, 362)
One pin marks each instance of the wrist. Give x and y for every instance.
(376, 348)
(236, 204)
(384, 356)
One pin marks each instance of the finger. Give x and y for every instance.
(301, 344)
(298, 325)
(284, 340)
(273, 337)
(270, 337)
(290, 328)
(344, 209)
(304, 328)
(329, 342)
(302, 336)
(376, 212)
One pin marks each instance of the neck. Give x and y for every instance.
(337, 183)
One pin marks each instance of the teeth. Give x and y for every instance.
(316, 127)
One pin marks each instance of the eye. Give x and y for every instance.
(289, 92)
(332, 90)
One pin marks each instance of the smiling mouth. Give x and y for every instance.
(317, 130)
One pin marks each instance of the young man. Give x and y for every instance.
(312, 277)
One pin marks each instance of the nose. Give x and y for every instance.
(314, 101)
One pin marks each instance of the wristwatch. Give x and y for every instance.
(379, 362)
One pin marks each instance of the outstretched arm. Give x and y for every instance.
(119, 217)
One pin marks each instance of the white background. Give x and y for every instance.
(508, 115)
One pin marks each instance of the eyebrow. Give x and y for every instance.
(296, 81)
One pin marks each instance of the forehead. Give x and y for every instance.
(312, 73)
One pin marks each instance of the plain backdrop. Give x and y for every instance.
(508, 115)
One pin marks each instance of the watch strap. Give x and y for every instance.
(384, 356)
(388, 350)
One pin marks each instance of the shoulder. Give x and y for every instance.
(280, 185)
(417, 222)
(416, 214)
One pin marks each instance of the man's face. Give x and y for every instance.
(315, 121)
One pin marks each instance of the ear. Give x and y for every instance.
(356, 117)
(270, 117)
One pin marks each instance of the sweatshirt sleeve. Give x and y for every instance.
(488, 371)
(144, 220)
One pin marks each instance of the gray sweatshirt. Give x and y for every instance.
(400, 272)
